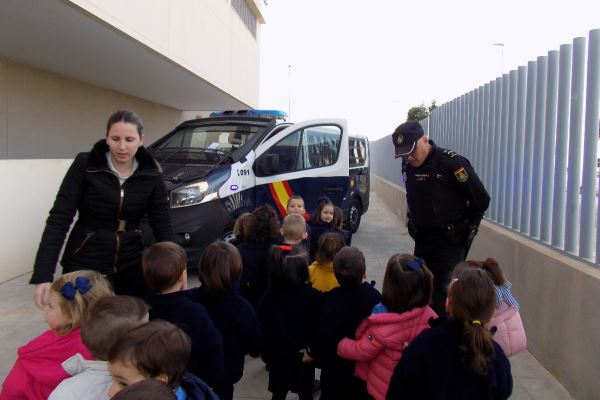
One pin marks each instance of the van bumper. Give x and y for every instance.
(199, 225)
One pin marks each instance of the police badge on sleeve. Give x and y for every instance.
(461, 175)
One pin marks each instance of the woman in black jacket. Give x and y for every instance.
(112, 187)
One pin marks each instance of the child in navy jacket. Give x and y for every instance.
(219, 271)
(164, 266)
(288, 314)
(342, 312)
(327, 218)
(263, 229)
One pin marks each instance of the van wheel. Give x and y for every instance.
(228, 237)
(354, 215)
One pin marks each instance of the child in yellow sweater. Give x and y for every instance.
(321, 273)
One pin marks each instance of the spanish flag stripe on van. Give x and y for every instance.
(281, 192)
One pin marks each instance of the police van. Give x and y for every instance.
(219, 167)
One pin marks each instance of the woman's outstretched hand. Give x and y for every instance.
(40, 294)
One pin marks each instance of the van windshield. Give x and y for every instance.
(207, 144)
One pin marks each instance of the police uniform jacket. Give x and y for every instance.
(106, 236)
(444, 190)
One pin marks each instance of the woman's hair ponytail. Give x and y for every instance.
(473, 303)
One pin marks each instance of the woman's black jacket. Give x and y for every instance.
(106, 236)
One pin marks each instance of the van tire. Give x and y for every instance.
(354, 215)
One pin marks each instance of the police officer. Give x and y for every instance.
(446, 201)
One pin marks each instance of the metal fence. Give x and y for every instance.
(532, 136)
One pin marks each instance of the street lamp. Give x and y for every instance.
(501, 45)
(290, 92)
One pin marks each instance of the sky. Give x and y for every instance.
(370, 61)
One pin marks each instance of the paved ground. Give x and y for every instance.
(379, 237)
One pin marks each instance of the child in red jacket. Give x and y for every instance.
(402, 314)
(38, 369)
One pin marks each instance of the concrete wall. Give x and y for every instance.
(559, 297)
(45, 120)
(43, 115)
(184, 31)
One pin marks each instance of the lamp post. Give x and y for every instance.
(290, 92)
(501, 45)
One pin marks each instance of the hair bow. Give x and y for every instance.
(416, 264)
(69, 290)
(285, 247)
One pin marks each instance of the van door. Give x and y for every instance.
(309, 159)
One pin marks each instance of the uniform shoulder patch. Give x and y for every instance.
(461, 175)
(450, 153)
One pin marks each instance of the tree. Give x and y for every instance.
(418, 113)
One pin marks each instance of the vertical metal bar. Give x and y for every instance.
(491, 151)
(575, 129)
(549, 146)
(478, 130)
(519, 145)
(487, 142)
(528, 150)
(590, 155)
(510, 153)
(538, 147)
(497, 147)
(562, 141)
(459, 144)
(503, 157)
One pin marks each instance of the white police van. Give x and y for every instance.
(216, 168)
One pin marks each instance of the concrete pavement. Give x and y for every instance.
(379, 237)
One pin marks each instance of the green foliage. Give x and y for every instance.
(418, 113)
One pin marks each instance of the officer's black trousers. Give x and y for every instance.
(440, 257)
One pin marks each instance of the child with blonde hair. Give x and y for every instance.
(104, 323)
(506, 324)
(456, 358)
(240, 228)
(293, 230)
(38, 369)
(403, 313)
(322, 276)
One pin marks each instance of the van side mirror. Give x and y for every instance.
(268, 164)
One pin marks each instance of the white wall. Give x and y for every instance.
(28, 191)
(184, 31)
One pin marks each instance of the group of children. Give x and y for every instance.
(268, 297)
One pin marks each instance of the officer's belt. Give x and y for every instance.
(454, 227)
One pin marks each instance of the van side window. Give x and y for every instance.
(283, 157)
(313, 147)
(357, 151)
(321, 145)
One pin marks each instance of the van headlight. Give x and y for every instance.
(201, 191)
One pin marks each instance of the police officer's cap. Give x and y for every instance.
(405, 137)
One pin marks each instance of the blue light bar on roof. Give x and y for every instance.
(274, 114)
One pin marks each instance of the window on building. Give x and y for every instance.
(246, 14)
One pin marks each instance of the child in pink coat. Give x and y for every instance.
(38, 369)
(505, 325)
(402, 314)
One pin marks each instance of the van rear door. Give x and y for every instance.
(309, 159)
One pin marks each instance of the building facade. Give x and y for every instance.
(65, 66)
